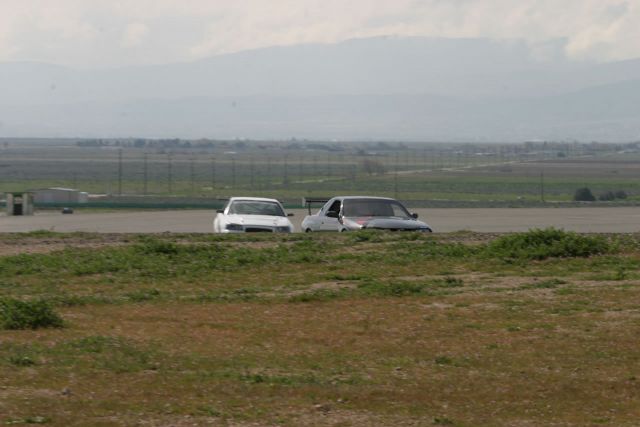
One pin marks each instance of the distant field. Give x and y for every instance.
(361, 329)
(456, 173)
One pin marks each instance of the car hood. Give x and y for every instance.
(390, 223)
(264, 220)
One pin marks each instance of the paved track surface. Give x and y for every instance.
(597, 220)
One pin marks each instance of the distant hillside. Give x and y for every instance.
(396, 88)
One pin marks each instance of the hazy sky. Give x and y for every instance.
(123, 32)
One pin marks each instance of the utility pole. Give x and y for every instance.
(213, 172)
(169, 173)
(119, 171)
(301, 169)
(542, 186)
(233, 172)
(145, 173)
(267, 181)
(251, 172)
(395, 177)
(285, 177)
(192, 175)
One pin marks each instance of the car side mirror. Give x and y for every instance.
(333, 214)
(289, 214)
(414, 215)
(220, 210)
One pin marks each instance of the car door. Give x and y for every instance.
(328, 223)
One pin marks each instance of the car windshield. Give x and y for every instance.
(252, 207)
(374, 207)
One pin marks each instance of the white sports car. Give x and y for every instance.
(347, 213)
(252, 214)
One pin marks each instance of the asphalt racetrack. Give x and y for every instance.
(592, 220)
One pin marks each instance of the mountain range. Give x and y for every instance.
(415, 89)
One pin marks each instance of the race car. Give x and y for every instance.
(252, 214)
(347, 213)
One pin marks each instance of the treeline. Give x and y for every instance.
(149, 143)
(547, 149)
(236, 145)
(585, 194)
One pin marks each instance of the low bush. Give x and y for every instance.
(21, 360)
(607, 196)
(151, 245)
(433, 249)
(317, 295)
(393, 289)
(114, 354)
(584, 195)
(620, 194)
(540, 244)
(16, 314)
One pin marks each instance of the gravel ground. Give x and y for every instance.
(593, 220)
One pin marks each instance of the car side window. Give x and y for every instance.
(399, 211)
(335, 207)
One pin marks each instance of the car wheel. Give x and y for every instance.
(308, 230)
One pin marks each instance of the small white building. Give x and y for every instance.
(56, 195)
(19, 203)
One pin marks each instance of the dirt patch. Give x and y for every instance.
(35, 245)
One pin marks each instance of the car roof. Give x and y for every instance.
(362, 197)
(253, 199)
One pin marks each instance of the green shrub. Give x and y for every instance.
(393, 289)
(21, 360)
(114, 354)
(443, 360)
(16, 314)
(152, 245)
(317, 295)
(373, 236)
(452, 282)
(28, 420)
(584, 194)
(143, 295)
(620, 194)
(607, 196)
(434, 249)
(547, 243)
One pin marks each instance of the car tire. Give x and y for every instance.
(308, 230)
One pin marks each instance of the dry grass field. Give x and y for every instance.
(461, 329)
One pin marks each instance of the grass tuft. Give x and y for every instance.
(540, 244)
(28, 420)
(152, 245)
(16, 314)
(394, 289)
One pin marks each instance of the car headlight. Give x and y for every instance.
(234, 227)
(284, 229)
